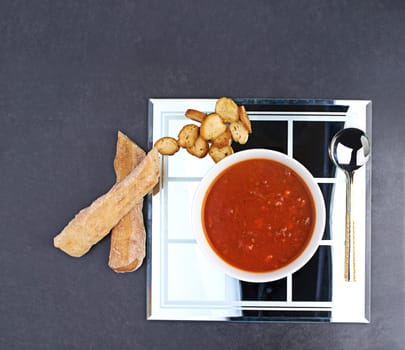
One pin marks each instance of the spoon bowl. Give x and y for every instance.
(350, 149)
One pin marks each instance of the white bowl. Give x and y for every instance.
(197, 215)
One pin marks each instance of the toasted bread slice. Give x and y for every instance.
(127, 246)
(212, 126)
(227, 109)
(225, 139)
(188, 135)
(93, 223)
(219, 153)
(244, 118)
(200, 148)
(195, 115)
(167, 146)
(239, 132)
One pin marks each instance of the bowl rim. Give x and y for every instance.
(249, 276)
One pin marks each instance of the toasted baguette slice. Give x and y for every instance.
(200, 148)
(225, 139)
(219, 153)
(167, 146)
(195, 115)
(127, 246)
(188, 135)
(212, 126)
(239, 132)
(93, 223)
(244, 118)
(227, 109)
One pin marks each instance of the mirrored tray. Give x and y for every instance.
(182, 285)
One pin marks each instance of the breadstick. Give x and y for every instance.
(93, 223)
(127, 249)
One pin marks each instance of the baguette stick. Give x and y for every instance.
(127, 249)
(94, 222)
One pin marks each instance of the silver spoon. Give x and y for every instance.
(349, 150)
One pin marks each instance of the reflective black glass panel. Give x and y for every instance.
(274, 291)
(313, 282)
(310, 145)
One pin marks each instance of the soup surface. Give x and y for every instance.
(258, 215)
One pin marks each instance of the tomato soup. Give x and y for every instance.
(258, 215)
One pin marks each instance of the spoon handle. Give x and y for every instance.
(350, 256)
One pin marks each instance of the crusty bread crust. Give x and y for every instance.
(195, 115)
(93, 223)
(128, 237)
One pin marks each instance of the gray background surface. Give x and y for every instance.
(74, 72)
